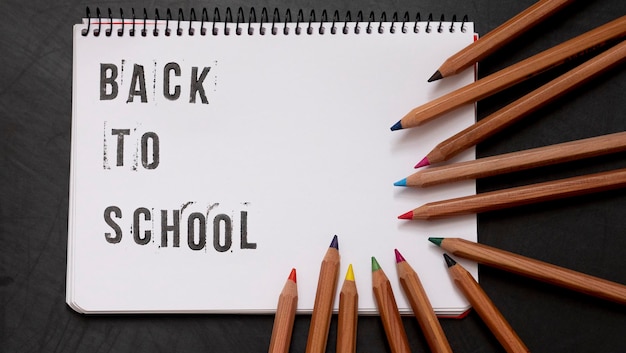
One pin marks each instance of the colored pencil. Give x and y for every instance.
(532, 268)
(521, 195)
(285, 316)
(422, 309)
(498, 37)
(516, 161)
(324, 300)
(388, 309)
(525, 105)
(485, 308)
(514, 74)
(348, 314)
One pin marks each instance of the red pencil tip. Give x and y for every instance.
(399, 257)
(424, 162)
(292, 275)
(408, 215)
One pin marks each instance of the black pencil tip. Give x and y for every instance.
(449, 261)
(436, 76)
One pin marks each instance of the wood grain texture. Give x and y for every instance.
(522, 195)
(527, 104)
(501, 35)
(487, 310)
(538, 270)
(520, 160)
(285, 317)
(515, 73)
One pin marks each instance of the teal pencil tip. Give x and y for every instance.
(397, 126)
(400, 182)
(436, 241)
(375, 265)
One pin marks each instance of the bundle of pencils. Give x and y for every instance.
(603, 36)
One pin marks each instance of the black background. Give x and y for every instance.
(585, 233)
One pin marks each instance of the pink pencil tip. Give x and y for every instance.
(292, 275)
(424, 162)
(399, 257)
(408, 215)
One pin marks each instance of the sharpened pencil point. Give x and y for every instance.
(350, 273)
(436, 76)
(335, 243)
(436, 241)
(375, 265)
(400, 182)
(424, 162)
(292, 275)
(449, 261)
(399, 257)
(408, 215)
(397, 126)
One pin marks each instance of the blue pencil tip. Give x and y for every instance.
(400, 182)
(397, 126)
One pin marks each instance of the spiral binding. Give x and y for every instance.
(312, 24)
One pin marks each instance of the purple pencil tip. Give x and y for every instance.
(335, 243)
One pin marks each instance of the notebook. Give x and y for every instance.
(209, 158)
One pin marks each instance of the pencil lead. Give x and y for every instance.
(397, 126)
(292, 275)
(400, 182)
(449, 261)
(436, 76)
(335, 243)
(436, 241)
(408, 215)
(399, 257)
(350, 273)
(375, 265)
(424, 162)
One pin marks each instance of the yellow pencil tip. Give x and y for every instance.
(350, 274)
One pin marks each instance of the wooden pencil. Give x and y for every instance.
(514, 74)
(498, 37)
(521, 195)
(516, 161)
(348, 314)
(525, 105)
(324, 300)
(422, 309)
(532, 268)
(485, 308)
(285, 316)
(388, 310)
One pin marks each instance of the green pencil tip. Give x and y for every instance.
(436, 241)
(375, 265)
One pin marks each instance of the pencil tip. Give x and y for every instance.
(399, 257)
(424, 162)
(436, 241)
(375, 265)
(292, 275)
(397, 126)
(350, 273)
(335, 243)
(449, 261)
(408, 215)
(400, 182)
(436, 76)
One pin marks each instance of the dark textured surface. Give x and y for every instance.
(584, 233)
